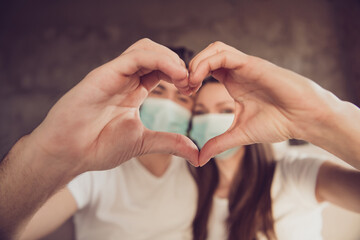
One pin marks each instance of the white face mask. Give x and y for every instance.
(207, 126)
(164, 115)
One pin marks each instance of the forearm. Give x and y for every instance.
(339, 185)
(27, 179)
(56, 210)
(339, 132)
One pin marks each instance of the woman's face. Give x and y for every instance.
(213, 114)
(169, 91)
(213, 98)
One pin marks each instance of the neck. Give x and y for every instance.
(227, 170)
(157, 164)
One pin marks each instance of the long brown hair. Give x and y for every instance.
(250, 209)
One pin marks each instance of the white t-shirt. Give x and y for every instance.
(296, 212)
(128, 202)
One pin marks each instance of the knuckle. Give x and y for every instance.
(218, 44)
(223, 52)
(128, 52)
(250, 62)
(136, 54)
(145, 41)
(96, 72)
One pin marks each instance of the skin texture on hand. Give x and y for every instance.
(97, 122)
(272, 104)
(94, 126)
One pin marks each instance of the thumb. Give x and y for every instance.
(170, 143)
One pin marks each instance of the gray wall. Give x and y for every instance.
(46, 47)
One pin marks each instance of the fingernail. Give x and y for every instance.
(192, 85)
(201, 165)
(187, 92)
(194, 165)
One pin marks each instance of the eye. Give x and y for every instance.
(227, 110)
(183, 99)
(157, 92)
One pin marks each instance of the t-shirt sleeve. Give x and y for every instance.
(81, 188)
(300, 174)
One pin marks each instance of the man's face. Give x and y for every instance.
(169, 91)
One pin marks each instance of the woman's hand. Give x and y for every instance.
(272, 104)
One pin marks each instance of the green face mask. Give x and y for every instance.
(164, 115)
(207, 126)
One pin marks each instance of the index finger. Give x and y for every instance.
(146, 44)
(117, 74)
(198, 62)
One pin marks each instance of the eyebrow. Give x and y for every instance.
(178, 93)
(199, 105)
(225, 102)
(218, 104)
(162, 87)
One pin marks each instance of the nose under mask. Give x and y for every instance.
(207, 126)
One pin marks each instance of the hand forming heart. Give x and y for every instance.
(96, 125)
(272, 104)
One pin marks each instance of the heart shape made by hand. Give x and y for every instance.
(272, 104)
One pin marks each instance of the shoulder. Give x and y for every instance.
(88, 186)
(295, 164)
(297, 174)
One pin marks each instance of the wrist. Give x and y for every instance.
(337, 130)
(54, 169)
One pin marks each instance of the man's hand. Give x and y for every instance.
(272, 104)
(96, 125)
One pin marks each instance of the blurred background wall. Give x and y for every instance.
(46, 47)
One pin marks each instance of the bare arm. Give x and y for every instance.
(26, 182)
(59, 208)
(337, 130)
(339, 186)
(94, 126)
(274, 104)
